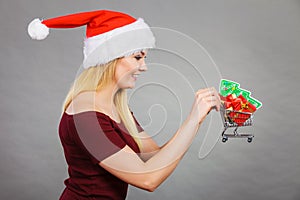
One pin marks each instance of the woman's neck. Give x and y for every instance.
(105, 96)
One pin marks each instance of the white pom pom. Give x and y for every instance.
(37, 30)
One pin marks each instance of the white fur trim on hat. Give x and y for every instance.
(117, 43)
(37, 30)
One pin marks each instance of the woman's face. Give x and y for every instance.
(128, 69)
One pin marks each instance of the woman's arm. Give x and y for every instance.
(127, 165)
(148, 146)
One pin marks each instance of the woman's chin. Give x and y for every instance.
(131, 86)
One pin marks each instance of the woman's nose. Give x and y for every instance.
(143, 66)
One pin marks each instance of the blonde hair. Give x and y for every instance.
(96, 78)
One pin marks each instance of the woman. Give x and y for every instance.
(105, 147)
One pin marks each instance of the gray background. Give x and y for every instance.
(254, 42)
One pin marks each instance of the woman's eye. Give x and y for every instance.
(138, 57)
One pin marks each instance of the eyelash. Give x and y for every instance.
(139, 57)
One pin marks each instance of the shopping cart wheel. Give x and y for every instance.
(249, 140)
(224, 139)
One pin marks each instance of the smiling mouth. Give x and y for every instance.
(135, 75)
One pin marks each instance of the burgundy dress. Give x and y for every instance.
(88, 138)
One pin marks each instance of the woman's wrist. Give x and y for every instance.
(193, 121)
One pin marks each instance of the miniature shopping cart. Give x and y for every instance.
(236, 119)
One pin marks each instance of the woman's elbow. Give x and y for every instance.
(150, 186)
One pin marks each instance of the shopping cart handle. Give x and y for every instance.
(214, 107)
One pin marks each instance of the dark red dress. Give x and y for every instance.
(88, 138)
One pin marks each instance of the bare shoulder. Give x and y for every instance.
(84, 101)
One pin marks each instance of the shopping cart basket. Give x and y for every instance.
(235, 119)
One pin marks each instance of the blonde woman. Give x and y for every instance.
(105, 147)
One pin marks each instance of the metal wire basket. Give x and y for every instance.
(236, 119)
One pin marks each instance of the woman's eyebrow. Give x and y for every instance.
(143, 53)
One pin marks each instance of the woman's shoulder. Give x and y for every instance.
(85, 105)
(83, 102)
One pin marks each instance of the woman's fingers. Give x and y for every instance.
(207, 91)
(205, 100)
(212, 102)
(209, 95)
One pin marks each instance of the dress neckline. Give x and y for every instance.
(88, 111)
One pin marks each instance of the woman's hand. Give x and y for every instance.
(205, 100)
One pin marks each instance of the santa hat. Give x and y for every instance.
(109, 34)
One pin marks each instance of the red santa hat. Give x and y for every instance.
(109, 34)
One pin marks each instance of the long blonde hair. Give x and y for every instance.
(96, 78)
